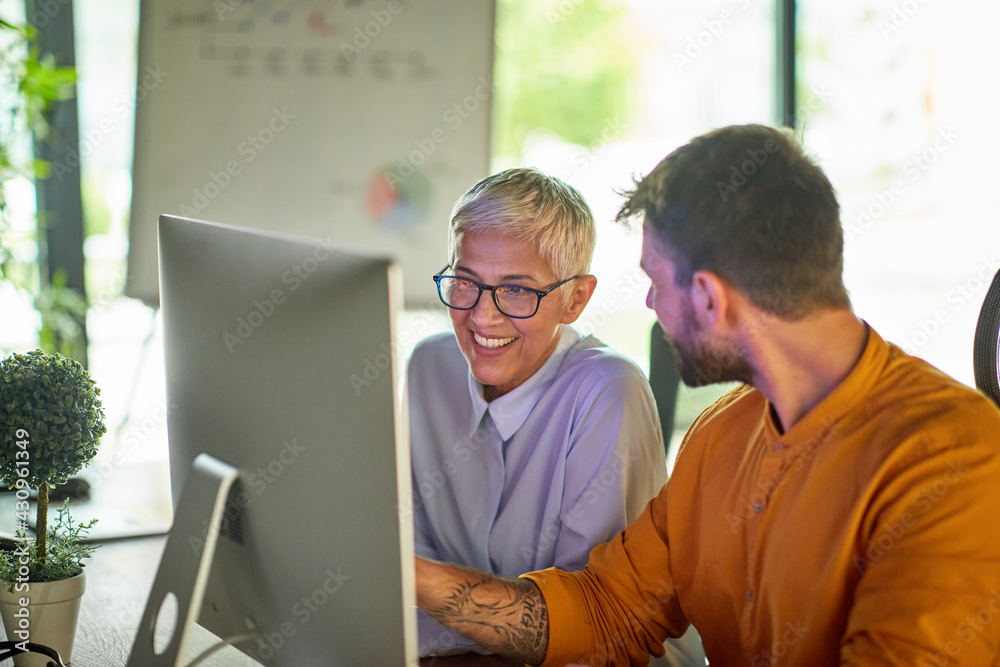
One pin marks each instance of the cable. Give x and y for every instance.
(231, 641)
(9, 649)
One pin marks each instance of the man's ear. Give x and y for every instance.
(711, 297)
(582, 289)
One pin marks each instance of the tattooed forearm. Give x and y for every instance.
(507, 616)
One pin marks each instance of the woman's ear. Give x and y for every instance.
(582, 289)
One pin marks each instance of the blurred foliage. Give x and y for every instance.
(37, 83)
(96, 212)
(562, 66)
(61, 309)
(31, 85)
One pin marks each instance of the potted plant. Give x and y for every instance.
(51, 419)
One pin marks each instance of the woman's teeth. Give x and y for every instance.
(493, 342)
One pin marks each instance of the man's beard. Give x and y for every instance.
(700, 365)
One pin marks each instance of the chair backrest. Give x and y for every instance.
(986, 349)
(665, 380)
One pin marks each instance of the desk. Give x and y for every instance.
(119, 578)
(120, 574)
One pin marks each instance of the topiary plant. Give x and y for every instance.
(51, 420)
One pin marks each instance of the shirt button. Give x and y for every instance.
(750, 596)
(778, 447)
(757, 507)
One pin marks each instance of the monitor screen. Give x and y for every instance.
(280, 361)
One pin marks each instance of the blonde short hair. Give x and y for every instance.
(531, 206)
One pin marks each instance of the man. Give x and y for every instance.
(838, 508)
(531, 444)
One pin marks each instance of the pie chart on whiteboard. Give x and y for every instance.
(398, 200)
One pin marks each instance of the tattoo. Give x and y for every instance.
(506, 616)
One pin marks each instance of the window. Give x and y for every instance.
(899, 109)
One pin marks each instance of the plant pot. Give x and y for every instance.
(52, 611)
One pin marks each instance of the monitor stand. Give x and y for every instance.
(184, 568)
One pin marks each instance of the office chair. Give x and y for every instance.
(986, 349)
(664, 379)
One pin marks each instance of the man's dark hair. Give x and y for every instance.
(746, 203)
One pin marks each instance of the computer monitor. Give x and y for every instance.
(280, 361)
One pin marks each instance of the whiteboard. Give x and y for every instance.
(352, 121)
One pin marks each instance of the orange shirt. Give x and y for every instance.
(868, 534)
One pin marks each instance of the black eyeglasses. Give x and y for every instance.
(515, 301)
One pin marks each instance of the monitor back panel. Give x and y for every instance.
(280, 360)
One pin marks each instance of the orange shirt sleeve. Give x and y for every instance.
(622, 607)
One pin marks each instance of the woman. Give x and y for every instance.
(530, 443)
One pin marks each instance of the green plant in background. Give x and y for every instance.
(51, 420)
(61, 309)
(562, 66)
(32, 85)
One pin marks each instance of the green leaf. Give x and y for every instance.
(41, 169)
